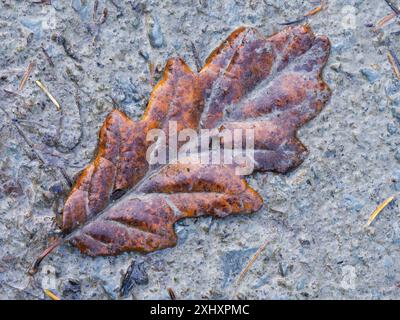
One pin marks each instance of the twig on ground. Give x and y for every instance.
(385, 20)
(32, 146)
(395, 63)
(24, 137)
(196, 56)
(47, 92)
(48, 58)
(171, 293)
(314, 11)
(95, 7)
(104, 16)
(251, 262)
(60, 39)
(151, 70)
(49, 249)
(26, 75)
(292, 22)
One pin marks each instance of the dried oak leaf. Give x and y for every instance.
(272, 85)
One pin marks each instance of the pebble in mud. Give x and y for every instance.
(371, 75)
(396, 110)
(155, 35)
(34, 25)
(351, 202)
(71, 289)
(82, 8)
(392, 128)
(136, 274)
(396, 180)
(397, 155)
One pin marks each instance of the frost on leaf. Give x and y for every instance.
(272, 85)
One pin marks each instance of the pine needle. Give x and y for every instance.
(51, 295)
(42, 86)
(171, 293)
(314, 11)
(394, 61)
(151, 70)
(379, 209)
(385, 20)
(26, 75)
(251, 262)
(321, 7)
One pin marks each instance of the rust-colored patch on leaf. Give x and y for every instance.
(272, 85)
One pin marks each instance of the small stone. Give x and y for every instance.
(396, 180)
(338, 47)
(262, 281)
(330, 154)
(56, 189)
(177, 44)
(305, 243)
(144, 55)
(396, 102)
(82, 8)
(76, 5)
(12, 188)
(284, 269)
(388, 262)
(71, 290)
(396, 113)
(135, 21)
(205, 224)
(397, 155)
(57, 5)
(391, 128)
(49, 139)
(302, 284)
(352, 203)
(110, 289)
(155, 35)
(182, 232)
(35, 25)
(203, 3)
(393, 88)
(370, 75)
(337, 67)
(136, 274)
(349, 277)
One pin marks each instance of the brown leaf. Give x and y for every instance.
(272, 85)
(143, 220)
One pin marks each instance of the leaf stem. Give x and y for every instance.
(49, 249)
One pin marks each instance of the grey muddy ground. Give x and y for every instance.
(314, 217)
